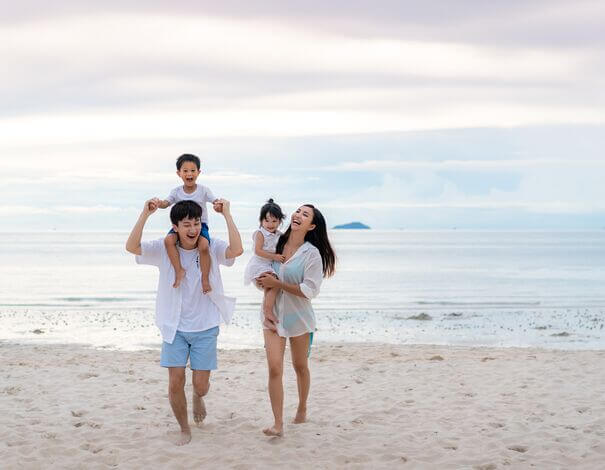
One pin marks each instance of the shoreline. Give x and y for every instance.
(134, 329)
(371, 406)
(316, 344)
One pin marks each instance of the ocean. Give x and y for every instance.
(492, 288)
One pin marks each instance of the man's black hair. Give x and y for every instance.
(185, 210)
(188, 157)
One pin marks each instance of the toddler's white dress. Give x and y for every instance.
(258, 265)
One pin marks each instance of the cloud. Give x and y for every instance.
(465, 165)
(6, 210)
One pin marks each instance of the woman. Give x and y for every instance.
(308, 259)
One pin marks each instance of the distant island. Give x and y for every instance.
(353, 225)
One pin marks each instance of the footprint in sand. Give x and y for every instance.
(486, 466)
(521, 449)
(78, 413)
(88, 375)
(90, 447)
(11, 390)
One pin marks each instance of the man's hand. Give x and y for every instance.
(222, 206)
(151, 206)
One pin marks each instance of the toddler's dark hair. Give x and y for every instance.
(188, 157)
(185, 210)
(272, 208)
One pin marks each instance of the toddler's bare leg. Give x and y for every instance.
(269, 301)
(173, 254)
(204, 249)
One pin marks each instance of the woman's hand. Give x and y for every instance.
(267, 281)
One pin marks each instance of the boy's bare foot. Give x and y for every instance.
(180, 438)
(301, 417)
(179, 275)
(274, 431)
(199, 409)
(205, 286)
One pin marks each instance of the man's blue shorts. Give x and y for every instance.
(198, 346)
(204, 233)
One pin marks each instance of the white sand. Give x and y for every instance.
(370, 407)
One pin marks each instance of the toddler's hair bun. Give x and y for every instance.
(270, 201)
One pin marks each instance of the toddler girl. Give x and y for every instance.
(265, 239)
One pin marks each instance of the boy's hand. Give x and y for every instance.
(151, 206)
(279, 258)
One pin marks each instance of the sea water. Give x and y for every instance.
(544, 289)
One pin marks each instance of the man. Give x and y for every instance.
(187, 318)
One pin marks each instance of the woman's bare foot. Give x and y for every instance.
(274, 431)
(301, 417)
(179, 275)
(199, 409)
(181, 438)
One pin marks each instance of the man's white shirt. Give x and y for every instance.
(186, 308)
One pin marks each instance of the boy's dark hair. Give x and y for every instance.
(188, 157)
(271, 208)
(185, 210)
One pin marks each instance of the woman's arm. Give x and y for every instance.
(267, 280)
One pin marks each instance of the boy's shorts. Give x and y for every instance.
(197, 346)
(204, 233)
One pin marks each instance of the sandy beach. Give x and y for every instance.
(371, 406)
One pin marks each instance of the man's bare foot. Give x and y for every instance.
(205, 286)
(179, 275)
(274, 431)
(181, 438)
(199, 409)
(301, 417)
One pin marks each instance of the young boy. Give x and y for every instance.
(188, 169)
(188, 320)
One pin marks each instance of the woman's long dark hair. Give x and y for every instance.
(318, 237)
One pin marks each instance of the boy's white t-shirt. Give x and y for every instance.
(171, 303)
(201, 195)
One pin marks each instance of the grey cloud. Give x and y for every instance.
(543, 23)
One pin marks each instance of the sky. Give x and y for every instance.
(399, 114)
